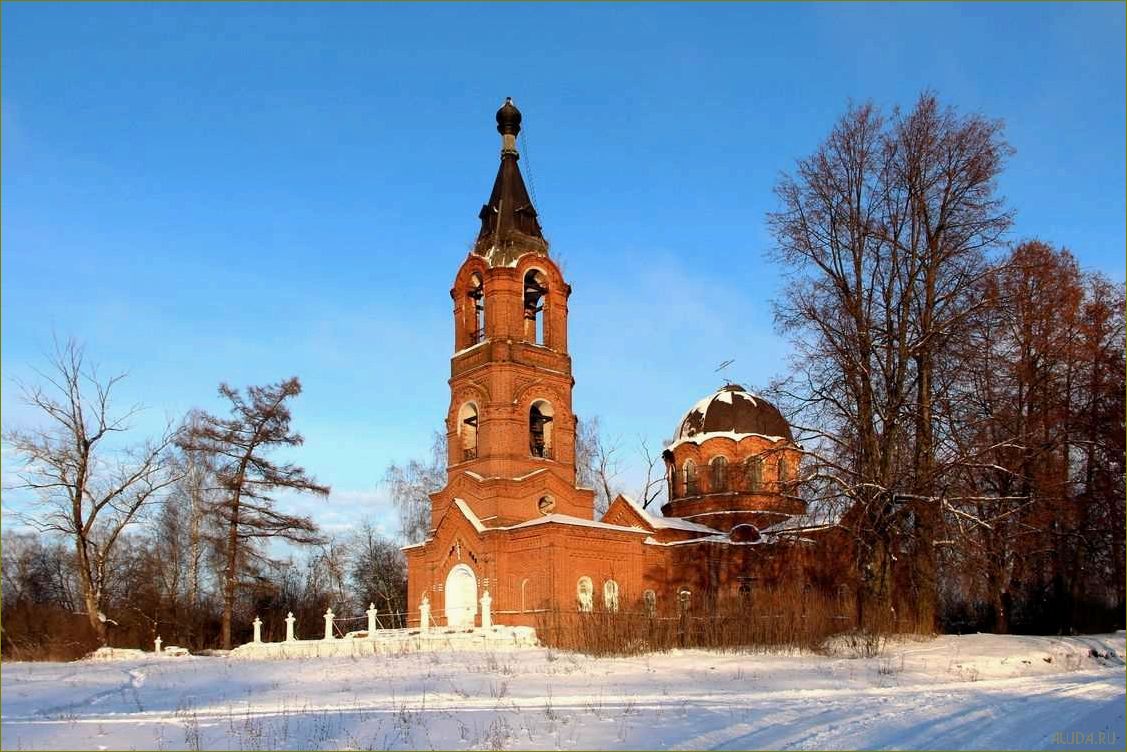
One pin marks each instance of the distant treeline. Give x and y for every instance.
(156, 590)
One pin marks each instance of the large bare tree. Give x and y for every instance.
(945, 216)
(259, 423)
(883, 231)
(85, 488)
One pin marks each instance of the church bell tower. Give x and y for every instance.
(510, 416)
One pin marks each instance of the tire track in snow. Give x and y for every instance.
(134, 679)
(919, 718)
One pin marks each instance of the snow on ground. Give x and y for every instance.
(976, 691)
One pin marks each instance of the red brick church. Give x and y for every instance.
(512, 520)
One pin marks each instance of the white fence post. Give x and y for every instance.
(424, 614)
(156, 643)
(289, 627)
(329, 624)
(486, 616)
(257, 629)
(371, 621)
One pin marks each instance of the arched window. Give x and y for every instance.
(476, 306)
(784, 472)
(674, 481)
(610, 595)
(467, 430)
(649, 601)
(585, 594)
(690, 478)
(719, 467)
(535, 288)
(753, 474)
(540, 429)
(525, 595)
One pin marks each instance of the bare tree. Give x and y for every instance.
(259, 422)
(196, 490)
(656, 481)
(411, 485)
(945, 215)
(883, 231)
(86, 491)
(1100, 432)
(331, 561)
(597, 463)
(379, 573)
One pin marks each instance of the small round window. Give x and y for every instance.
(546, 505)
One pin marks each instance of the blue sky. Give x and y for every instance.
(244, 192)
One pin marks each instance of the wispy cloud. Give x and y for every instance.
(344, 510)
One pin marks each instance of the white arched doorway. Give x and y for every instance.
(461, 597)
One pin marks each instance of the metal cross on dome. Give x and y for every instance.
(721, 367)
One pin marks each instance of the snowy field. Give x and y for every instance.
(977, 691)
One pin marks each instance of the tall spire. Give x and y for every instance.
(509, 226)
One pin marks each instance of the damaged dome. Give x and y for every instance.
(733, 410)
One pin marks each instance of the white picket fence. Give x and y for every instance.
(376, 640)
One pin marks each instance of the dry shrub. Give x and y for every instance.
(774, 619)
(45, 633)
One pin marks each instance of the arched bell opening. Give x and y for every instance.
(535, 295)
(475, 310)
(540, 416)
(467, 431)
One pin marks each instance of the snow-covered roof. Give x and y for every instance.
(700, 406)
(479, 476)
(667, 523)
(732, 409)
(560, 519)
(567, 519)
(494, 254)
(471, 347)
(816, 517)
(722, 540)
(469, 514)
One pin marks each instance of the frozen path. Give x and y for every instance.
(979, 691)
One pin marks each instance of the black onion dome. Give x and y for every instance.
(508, 118)
(735, 410)
(509, 226)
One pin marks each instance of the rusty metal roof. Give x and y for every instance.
(509, 225)
(732, 409)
